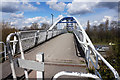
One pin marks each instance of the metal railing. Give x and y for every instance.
(75, 74)
(30, 39)
(89, 49)
(3, 50)
(20, 38)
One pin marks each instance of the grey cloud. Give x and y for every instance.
(110, 5)
(80, 12)
(77, 8)
(9, 10)
(12, 7)
(9, 7)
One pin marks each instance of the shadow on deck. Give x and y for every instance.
(61, 53)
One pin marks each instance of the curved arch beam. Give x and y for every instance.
(84, 33)
(55, 24)
(81, 28)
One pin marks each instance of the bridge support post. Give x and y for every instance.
(88, 57)
(14, 45)
(96, 64)
(40, 58)
(46, 35)
(36, 38)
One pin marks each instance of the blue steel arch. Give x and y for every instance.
(62, 19)
(70, 20)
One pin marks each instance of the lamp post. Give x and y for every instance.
(52, 18)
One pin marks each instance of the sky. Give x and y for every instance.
(24, 13)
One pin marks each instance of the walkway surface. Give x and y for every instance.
(59, 55)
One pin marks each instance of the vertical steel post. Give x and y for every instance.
(5, 54)
(46, 34)
(52, 18)
(88, 56)
(14, 45)
(9, 51)
(40, 58)
(96, 64)
(52, 33)
(22, 55)
(36, 38)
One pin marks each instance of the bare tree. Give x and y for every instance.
(88, 26)
(5, 24)
(44, 26)
(106, 25)
(34, 26)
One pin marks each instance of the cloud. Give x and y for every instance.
(109, 5)
(38, 3)
(27, 6)
(95, 23)
(20, 23)
(53, 4)
(9, 7)
(17, 15)
(14, 22)
(60, 16)
(105, 18)
(12, 7)
(76, 7)
(36, 19)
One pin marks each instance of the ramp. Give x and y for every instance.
(59, 53)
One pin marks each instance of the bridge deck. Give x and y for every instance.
(60, 55)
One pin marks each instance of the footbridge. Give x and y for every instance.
(63, 51)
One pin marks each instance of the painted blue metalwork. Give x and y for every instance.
(72, 20)
(68, 22)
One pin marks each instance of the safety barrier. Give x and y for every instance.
(86, 45)
(3, 50)
(31, 39)
(89, 49)
(23, 41)
(27, 39)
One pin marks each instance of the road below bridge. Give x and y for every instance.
(59, 55)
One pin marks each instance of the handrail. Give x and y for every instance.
(35, 35)
(107, 64)
(88, 45)
(19, 40)
(4, 50)
(67, 73)
(10, 52)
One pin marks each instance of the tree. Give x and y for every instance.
(26, 28)
(114, 24)
(34, 26)
(5, 24)
(44, 26)
(106, 25)
(88, 29)
(88, 26)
